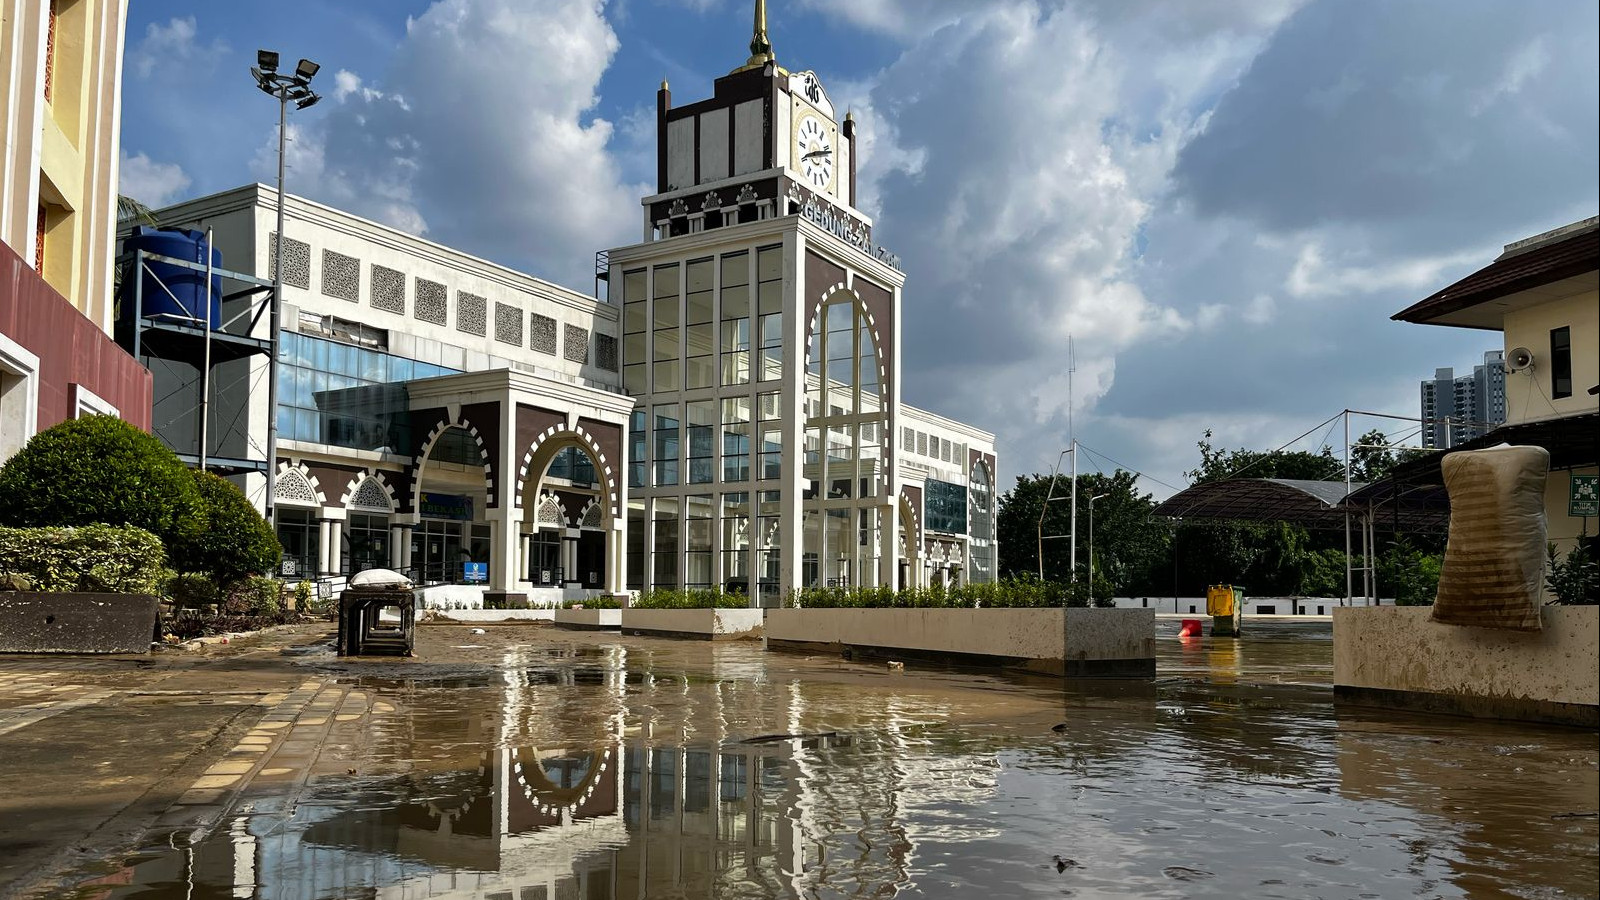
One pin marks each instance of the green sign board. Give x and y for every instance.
(1583, 497)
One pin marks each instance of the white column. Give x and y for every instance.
(407, 533)
(616, 557)
(324, 546)
(335, 546)
(524, 550)
(503, 549)
(397, 553)
(889, 542)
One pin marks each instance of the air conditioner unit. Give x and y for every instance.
(1519, 359)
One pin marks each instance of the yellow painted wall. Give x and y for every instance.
(62, 154)
(1528, 391)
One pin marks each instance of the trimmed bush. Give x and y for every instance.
(191, 590)
(235, 540)
(593, 603)
(99, 470)
(695, 599)
(256, 595)
(1008, 594)
(98, 558)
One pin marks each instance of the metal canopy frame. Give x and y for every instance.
(191, 339)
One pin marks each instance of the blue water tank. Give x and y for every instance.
(187, 286)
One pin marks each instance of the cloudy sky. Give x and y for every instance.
(1220, 202)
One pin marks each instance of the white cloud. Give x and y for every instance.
(174, 48)
(1012, 156)
(483, 136)
(149, 182)
(1314, 276)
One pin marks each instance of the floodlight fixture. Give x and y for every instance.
(267, 60)
(307, 70)
(307, 101)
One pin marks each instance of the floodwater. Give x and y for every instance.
(591, 767)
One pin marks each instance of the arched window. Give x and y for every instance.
(846, 424)
(980, 513)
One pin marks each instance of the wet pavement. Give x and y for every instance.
(526, 763)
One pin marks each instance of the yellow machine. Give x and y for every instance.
(1221, 599)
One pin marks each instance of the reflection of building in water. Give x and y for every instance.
(583, 778)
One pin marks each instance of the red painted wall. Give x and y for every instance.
(71, 349)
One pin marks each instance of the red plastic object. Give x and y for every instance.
(1189, 628)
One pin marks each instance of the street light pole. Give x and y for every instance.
(284, 87)
(1091, 539)
(1050, 495)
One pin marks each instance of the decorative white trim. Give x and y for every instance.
(297, 477)
(87, 403)
(355, 486)
(563, 436)
(439, 429)
(550, 511)
(17, 360)
(912, 519)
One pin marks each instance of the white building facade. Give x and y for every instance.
(728, 416)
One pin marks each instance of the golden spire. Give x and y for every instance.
(760, 47)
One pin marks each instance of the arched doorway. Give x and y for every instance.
(452, 540)
(568, 499)
(909, 540)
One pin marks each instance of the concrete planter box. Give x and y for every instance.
(37, 622)
(1394, 657)
(589, 619)
(1073, 642)
(699, 624)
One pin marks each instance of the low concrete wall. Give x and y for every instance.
(591, 619)
(489, 615)
(1394, 657)
(1075, 642)
(701, 624)
(37, 622)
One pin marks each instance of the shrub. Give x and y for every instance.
(1025, 592)
(191, 590)
(256, 595)
(666, 598)
(593, 603)
(1575, 580)
(99, 470)
(234, 541)
(100, 558)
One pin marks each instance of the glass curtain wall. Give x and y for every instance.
(845, 430)
(335, 393)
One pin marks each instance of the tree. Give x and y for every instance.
(100, 469)
(1130, 545)
(235, 540)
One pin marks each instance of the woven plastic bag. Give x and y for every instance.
(1493, 567)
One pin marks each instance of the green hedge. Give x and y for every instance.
(98, 558)
(100, 470)
(1010, 594)
(593, 603)
(694, 599)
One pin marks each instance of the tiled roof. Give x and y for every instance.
(1565, 258)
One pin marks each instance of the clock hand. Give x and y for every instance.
(816, 153)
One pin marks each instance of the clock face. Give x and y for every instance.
(815, 152)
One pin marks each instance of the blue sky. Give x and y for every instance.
(1221, 203)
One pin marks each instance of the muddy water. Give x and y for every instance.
(591, 767)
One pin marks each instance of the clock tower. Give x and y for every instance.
(767, 141)
(760, 327)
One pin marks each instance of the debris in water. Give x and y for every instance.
(1064, 863)
(479, 631)
(897, 666)
(775, 738)
(1184, 873)
(1059, 729)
